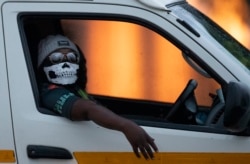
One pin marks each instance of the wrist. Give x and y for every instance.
(126, 125)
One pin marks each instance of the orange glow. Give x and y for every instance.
(128, 60)
(125, 60)
(232, 15)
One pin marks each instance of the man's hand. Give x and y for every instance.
(140, 141)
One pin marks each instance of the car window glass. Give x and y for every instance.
(130, 61)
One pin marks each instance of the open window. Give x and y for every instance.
(132, 69)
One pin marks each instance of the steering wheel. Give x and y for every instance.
(215, 116)
(186, 98)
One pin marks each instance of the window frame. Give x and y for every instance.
(131, 19)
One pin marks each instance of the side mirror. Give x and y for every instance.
(237, 107)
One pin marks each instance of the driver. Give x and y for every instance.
(58, 60)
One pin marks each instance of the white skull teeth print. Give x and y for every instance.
(63, 73)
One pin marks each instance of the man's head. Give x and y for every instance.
(59, 58)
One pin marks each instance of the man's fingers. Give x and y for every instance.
(149, 151)
(146, 147)
(153, 145)
(135, 149)
(144, 152)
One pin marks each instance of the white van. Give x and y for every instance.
(160, 63)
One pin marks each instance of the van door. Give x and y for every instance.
(42, 137)
(7, 147)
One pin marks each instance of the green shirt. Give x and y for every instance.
(60, 99)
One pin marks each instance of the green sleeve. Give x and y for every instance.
(59, 100)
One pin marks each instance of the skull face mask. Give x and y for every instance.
(64, 73)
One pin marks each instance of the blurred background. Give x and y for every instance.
(232, 15)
